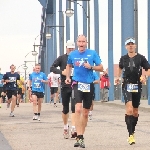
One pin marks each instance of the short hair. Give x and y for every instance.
(37, 65)
(12, 65)
(81, 35)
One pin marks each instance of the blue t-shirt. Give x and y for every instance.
(37, 85)
(77, 59)
(12, 84)
(1, 77)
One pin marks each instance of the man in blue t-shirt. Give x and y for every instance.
(84, 62)
(37, 80)
(11, 87)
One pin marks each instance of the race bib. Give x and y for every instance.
(132, 87)
(83, 87)
(37, 85)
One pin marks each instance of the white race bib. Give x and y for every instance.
(84, 87)
(132, 87)
(37, 85)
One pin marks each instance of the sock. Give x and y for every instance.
(38, 114)
(66, 126)
(35, 113)
(81, 136)
(78, 136)
(129, 120)
(135, 120)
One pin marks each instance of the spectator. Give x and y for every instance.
(104, 86)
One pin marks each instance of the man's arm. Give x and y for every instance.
(119, 72)
(56, 64)
(96, 81)
(98, 68)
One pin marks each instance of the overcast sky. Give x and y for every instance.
(21, 21)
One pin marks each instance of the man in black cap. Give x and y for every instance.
(131, 65)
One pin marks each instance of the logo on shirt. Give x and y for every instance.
(80, 63)
(88, 55)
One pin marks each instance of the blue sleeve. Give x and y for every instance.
(97, 59)
(95, 76)
(69, 60)
(44, 76)
(18, 77)
(30, 77)
(5, 76)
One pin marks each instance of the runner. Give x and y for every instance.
(37, 79)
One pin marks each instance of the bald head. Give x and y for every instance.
(82, 43)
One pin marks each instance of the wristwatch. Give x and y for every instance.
(91, 67)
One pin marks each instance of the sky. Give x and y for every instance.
(21, 22)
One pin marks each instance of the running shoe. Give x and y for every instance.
(73, 133)
(77, 144)
(66, 133)
(90, 116)
(39, 118)
(55, 105)
(12, 115)
(131, 139)
(82, 145)
(35, 117)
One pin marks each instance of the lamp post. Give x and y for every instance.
(69, 12)
(49, 35)
(34, 53)
(25, 67)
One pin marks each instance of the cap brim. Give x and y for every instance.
(70, 47)
(129, 41)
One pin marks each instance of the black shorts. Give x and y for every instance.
(66, 95)
(54, 90)
(86, 97)
(132, 96)
(11, 93)
(20, 91)
(1, 90)
(38, 94)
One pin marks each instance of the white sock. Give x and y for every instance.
(66, 126)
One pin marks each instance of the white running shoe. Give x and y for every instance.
(39, 118)
(35, 117)
(90, 116)
(66, 134)
(55, 105)
(12, 115)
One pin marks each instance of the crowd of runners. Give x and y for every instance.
(73, 76)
